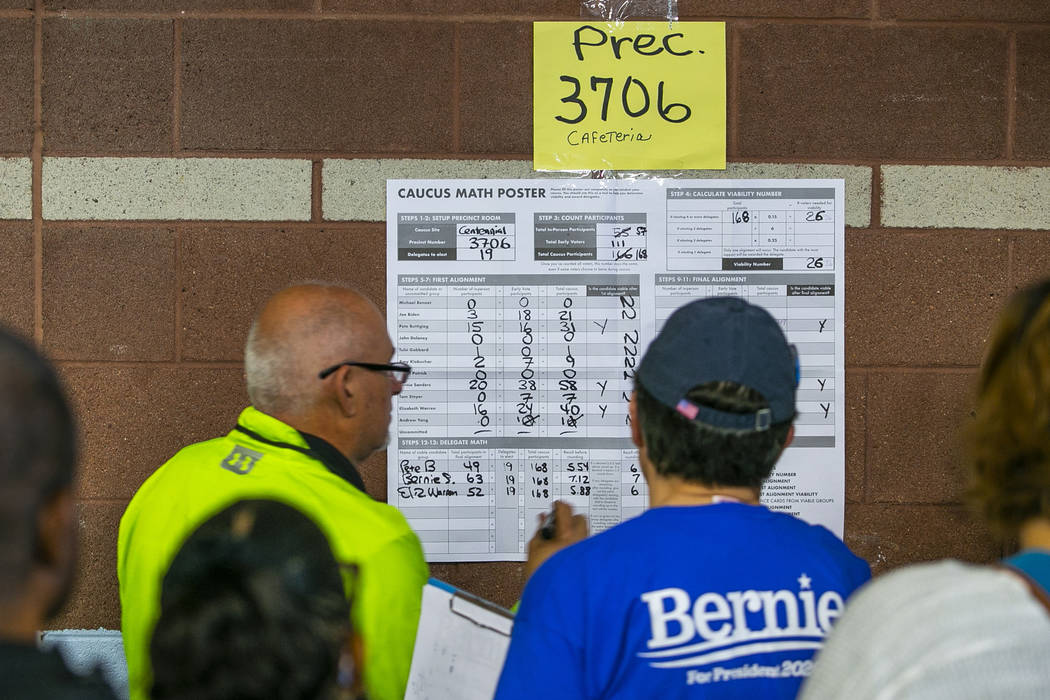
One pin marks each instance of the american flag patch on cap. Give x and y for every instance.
(687, 409)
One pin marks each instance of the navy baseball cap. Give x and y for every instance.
(722, 339)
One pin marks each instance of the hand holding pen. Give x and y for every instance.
(557, 530)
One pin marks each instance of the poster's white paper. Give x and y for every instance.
(523, 307)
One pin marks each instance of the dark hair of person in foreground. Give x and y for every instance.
(1010, 438)
(37, 456)
(38, 534)
(254, 606)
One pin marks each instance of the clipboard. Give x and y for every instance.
(461, 643)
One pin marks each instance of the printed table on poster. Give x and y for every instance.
(524, 306)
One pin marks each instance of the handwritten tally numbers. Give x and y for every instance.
(629, 95)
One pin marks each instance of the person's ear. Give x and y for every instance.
(636, 428)
(346, 391)
(56, 534)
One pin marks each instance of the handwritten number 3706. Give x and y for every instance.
(635, 102)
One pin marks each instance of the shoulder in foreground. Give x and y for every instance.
(933, 574)
(947, 584)
(937, 630)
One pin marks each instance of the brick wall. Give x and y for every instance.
(167, 164)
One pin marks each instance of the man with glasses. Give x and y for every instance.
(320, 378)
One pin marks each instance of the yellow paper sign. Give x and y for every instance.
(629, 95)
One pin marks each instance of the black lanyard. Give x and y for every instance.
(319, 449)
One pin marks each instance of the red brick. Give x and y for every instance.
(978, 10)
(856, 434)
(1032, 126)
(496, 88)
(229, 272)
(109, 293)
(534, 9)
(891, 536)
(184, 5)
(363, 87)
(1031, 259)
(16, 85)
(718, 9)
(133, 419)
(16, 277)
(846, 91)
(95, 600)
(500, 582)
(108, 85)
(915, 426)
(922, 299)
(373, 473)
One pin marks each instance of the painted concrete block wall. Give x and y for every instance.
(87, 650)
(165, 165)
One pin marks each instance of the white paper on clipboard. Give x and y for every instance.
(460, 646)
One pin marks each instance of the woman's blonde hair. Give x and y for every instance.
(1010, 439)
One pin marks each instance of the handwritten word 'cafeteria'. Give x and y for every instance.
(579, 138)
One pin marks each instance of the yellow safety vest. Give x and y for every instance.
(204, 478)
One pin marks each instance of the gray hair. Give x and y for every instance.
(269, 375)
(280, 367)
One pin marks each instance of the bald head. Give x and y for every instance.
(300, 331)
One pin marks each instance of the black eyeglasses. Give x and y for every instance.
(398, 371)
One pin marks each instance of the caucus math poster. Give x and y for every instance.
(524, 306)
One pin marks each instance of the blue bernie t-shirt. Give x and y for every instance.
(713, 601)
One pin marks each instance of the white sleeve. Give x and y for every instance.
(942, 630)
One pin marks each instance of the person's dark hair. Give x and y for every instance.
(37, 452)
(1010, 438)
(253, 606)
(705, 454)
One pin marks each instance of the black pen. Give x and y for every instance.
(548, 528)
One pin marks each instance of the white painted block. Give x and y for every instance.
(355, 190)
(86, 650)
(16, 188)
(965, 196)
(223, 189)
